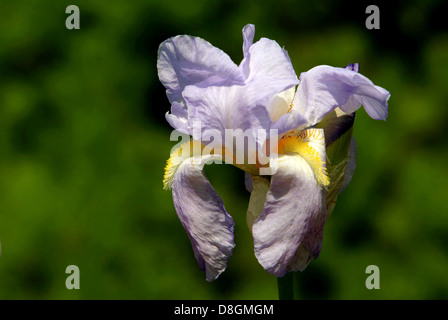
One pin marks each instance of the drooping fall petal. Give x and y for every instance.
(289, 230)
(201, 211)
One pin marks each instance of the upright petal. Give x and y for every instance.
(248, 38)
(186, 60)
(324, 88)
(289, 231)
(239, 107)
(235, 107)
(208, 83)
(201, 211)
(267, 59)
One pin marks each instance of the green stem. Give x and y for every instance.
(286, 287)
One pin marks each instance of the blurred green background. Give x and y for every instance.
(83, 144)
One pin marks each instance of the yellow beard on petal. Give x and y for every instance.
(195, 149)
(177, 156)
(300, 144)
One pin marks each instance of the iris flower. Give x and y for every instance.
(295, 184)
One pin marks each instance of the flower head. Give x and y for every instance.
(297, 148)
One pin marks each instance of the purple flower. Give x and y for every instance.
(258, 98)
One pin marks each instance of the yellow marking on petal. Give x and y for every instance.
(185, 151)
(195, 150)
(301, 145)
